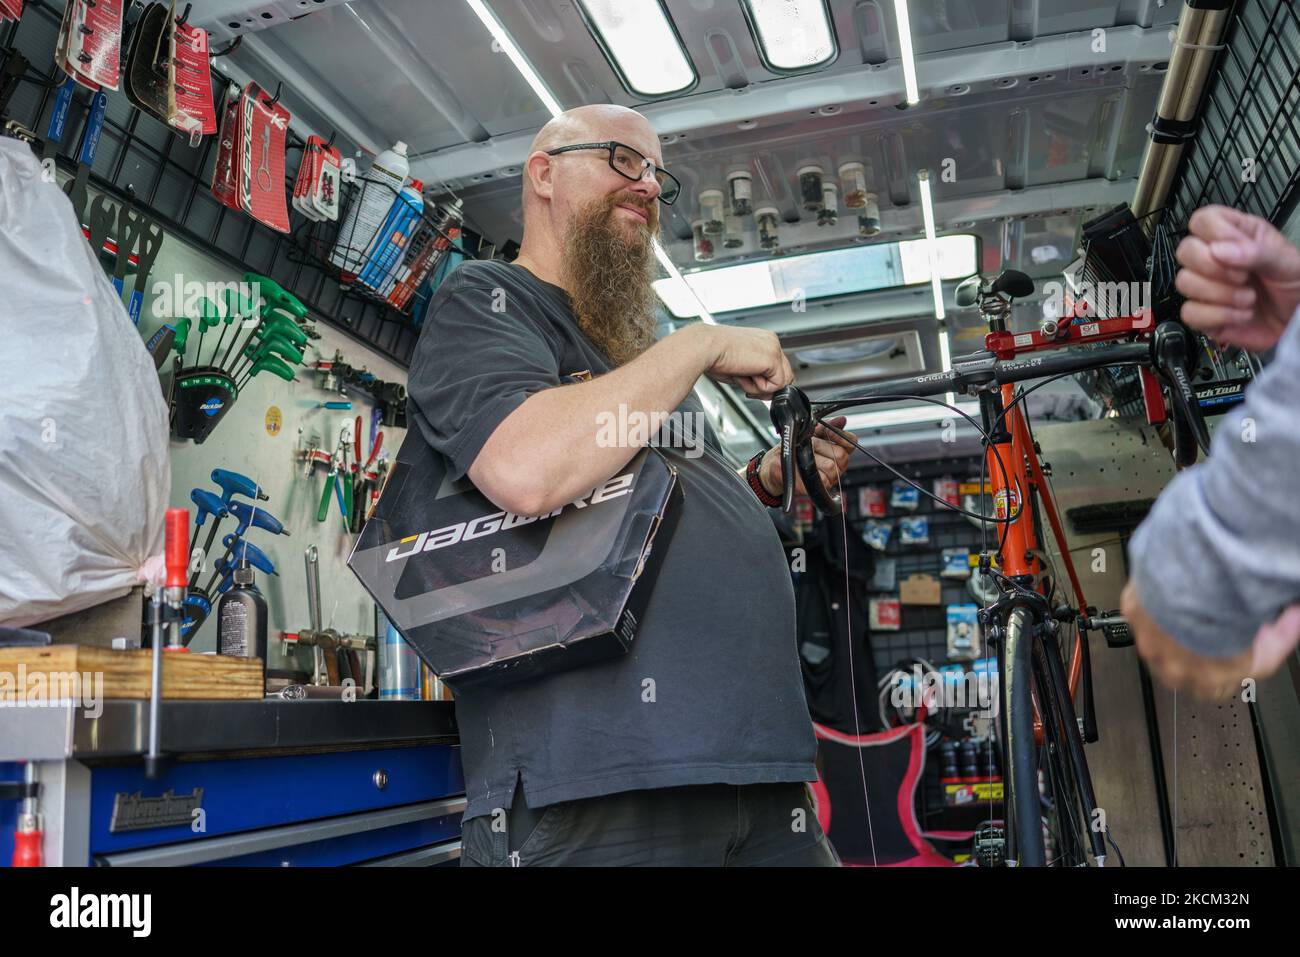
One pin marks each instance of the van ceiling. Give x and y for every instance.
(1040, 105)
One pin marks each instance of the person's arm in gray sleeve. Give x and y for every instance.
(1219, 554)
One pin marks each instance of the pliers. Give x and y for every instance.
(339, 484)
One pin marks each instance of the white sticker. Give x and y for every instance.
(1089, 329)
(1024, 339)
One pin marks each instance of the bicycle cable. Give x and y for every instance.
(984, 520)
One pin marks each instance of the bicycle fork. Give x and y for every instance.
(1028, 646)
(1049, 672)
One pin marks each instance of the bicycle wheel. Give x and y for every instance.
(1021, 787)
(1064, 798)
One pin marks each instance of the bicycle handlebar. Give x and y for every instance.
(1167, 351)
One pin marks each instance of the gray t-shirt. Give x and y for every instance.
(1219, 553)
(711, 690)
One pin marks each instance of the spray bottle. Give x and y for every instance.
(366, 212)
(434, 253)
(393, 238)
(241, 618)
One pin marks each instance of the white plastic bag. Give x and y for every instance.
(84, 469)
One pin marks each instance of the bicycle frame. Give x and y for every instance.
(1039, 691)
(1012, 489)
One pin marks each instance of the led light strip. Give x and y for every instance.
(905, 51)
(909, 416)
(548, 99)
(931, 242)
(516, 57)
(936, 283)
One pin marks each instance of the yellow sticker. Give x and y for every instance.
(274, 420)
(972, 792)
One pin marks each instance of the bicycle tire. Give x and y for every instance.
(1021, 780)
(1066, 793)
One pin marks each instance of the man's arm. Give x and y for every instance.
(1219, 555)
(555, 446)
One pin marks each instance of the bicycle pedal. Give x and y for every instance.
(1118, 636)
(990, 845)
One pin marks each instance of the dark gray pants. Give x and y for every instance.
(711, 825)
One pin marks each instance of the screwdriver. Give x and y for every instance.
(230, 483)
(250, 515)
(276, 327)
(250, 554)
(207, 504)
(269, 364)
(209, 316)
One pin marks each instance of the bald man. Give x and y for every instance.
(693, 748)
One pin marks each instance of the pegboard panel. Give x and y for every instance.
(924, 630)
(168, 180)
(1209, 754)
(1246, 153)
(1216, 791)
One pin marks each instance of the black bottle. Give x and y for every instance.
(948, 760)
(241, 618)
(969, 758)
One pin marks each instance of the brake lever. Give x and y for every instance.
(1170, 355)
(792, 416)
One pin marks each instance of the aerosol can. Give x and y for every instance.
(376, 189)
(241, 618)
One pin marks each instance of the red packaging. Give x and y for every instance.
(885, 614)
(191, 80)
(871, 502)
(947, 489)
(259, 152)
(223, 174)
(95, 48)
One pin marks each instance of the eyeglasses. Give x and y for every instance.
(630, 164)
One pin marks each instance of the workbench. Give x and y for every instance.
(253, 783)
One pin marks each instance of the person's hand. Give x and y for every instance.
(831, 451)
(1177, 667)
(1274, 642)
(1240, 277)
(750, 359)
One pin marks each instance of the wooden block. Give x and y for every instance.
(26, 673)
(919, 590)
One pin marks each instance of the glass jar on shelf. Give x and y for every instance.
(703, 244)
(829, 213)
(810, 188)
(740, 189)
(853, 184)
(733, 231)
(711, 211)
(768, 221)
(869, 217)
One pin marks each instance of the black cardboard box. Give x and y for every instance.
(484, 595)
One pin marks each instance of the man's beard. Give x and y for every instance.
(608, 271)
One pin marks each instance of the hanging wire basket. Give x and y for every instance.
(385, 266)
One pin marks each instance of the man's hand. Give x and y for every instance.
(1240, 277)
(751, 359)
(831, 451)
(1177, 667)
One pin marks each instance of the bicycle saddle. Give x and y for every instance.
(1014, 283)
